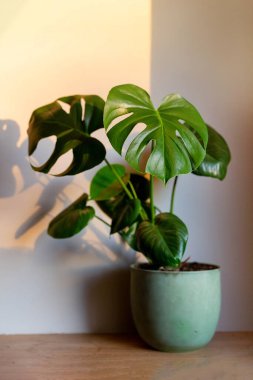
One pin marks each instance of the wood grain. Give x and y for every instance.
(98, 357)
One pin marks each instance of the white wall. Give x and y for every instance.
(203, 49)
(49, 49)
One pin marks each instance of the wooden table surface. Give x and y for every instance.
(118, 357)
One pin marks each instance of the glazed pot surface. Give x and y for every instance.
(175, 311)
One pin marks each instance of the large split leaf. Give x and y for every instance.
(217, 157)
(164, 241)
(176, 129)
(72, 220)
(105, 185)
(93, 113)
(72, 131)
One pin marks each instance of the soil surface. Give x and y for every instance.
(185, 267)
(195, 266)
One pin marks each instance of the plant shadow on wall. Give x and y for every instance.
(94, 268)
(14, 164)
(16, 176)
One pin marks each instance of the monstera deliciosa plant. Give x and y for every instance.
(175, 140)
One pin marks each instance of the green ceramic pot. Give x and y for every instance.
(175, 311)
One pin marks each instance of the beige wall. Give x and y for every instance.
(203, 49)
(53, 48)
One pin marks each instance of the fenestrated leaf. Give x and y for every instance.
(72, 132)
(105, 185)
(178, 149)
(164, 241)
(93, 114)
(71, 220)
(125, 215)
(217, 157)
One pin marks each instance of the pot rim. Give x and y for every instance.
(136, 267)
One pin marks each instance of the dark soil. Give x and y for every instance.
(185, 267)
(194, 266)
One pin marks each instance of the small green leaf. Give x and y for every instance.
(72, 132)
(142, 188)
(71, 220)
(108, 206)
(163, 242)
(217, 157)
(125, 215)
(105, 185)
(176, 130)
(129, 236)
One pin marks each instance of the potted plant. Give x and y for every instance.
(175, 304)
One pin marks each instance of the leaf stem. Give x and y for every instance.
(133, 189)
(119, 179)
(102, 220)
(158, 209)
(152, 207)
(131, 196)
(173, 195)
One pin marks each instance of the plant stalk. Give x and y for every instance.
(133, 189)
(173, 195)
(152, 206)
(130, 195)
(119, 179)
(102, 220)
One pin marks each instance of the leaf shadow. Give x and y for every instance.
(99, 275)
(13, 158)
(46, 202)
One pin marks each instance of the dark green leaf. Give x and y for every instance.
(178, 149)
(129, 236)
(93, 115)
(217, 157)
(125, 215)
(108, 206)
(71, 130)
(141, 186)
(72, 220)
(163, 242)
(105, 185)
